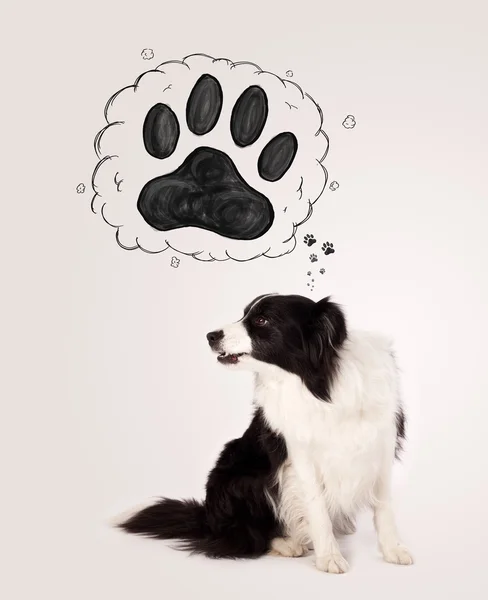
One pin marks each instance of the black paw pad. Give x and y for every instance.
(249, 116)
(277, 156)
(208, 192)
(160, 131)
(204, 105)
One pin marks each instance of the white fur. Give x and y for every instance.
(287, 547)
(125, 515)
(340, 452)
(236, 339)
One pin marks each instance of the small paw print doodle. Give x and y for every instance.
(313, 258)
(147, 54)
(334, 186)
(309, 273)
(322, 271)
(289, 73)
(349, 122)
(204, 140)
(80, 188)
(309, 239)
(175, 262)
(328, 248)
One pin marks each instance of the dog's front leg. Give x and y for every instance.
(389, 541)
(328, 556)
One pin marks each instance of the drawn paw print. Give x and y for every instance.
(309, 239)
(206, 189)
(224, 149)
(328, 248)
(175, 262)
(322, 271)
(313, 258)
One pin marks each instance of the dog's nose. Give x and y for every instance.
(215, 336)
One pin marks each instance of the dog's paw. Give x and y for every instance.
(398, 555)
(332, 563)
(287, 547)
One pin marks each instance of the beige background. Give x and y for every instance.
(109, 394)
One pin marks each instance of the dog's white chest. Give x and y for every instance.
(345, 441)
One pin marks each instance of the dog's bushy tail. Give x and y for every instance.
(186, 522)
(169, 520)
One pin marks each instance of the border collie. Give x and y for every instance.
(327, 427)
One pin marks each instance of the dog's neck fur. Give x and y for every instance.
(347, 437)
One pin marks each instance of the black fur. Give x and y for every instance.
(236, 519)
(400, 423)
(300, 336)
(401, 428)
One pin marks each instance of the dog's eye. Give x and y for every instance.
(260, 321)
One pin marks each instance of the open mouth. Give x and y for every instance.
(229, 359)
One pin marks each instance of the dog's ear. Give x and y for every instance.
(328, 331)
(326, 334)
(316, 345)
(332, 320)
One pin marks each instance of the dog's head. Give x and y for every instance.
(291, 333)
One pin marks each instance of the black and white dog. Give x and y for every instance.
(327, 427)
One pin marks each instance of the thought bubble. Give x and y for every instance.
(147, 54)
(213, 159)
(349, 122)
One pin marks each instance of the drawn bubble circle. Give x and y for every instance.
(213, 159)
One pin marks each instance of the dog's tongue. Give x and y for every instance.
(228, 358)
